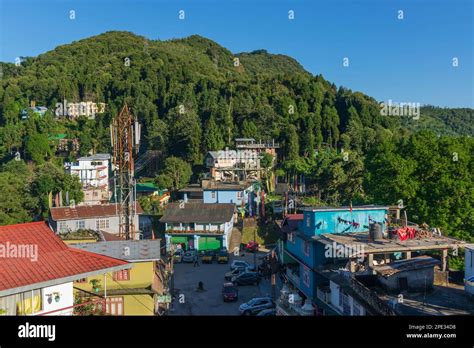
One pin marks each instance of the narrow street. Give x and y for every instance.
(189, 301)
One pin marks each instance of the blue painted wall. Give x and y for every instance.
(321, 222)
(296, 248)
(224, 197)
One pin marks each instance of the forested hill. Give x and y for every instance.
(192, 95)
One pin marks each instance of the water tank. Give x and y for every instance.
(375, 232)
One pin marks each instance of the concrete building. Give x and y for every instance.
(198, 226)
(132, 291)
(329, 238)
(40, 282)
(232, 165)
(102, 217)
(416, 274)
(93, 171)
(239, 193)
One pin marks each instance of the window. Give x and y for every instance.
(101, 224)
(114, 305)
(306, 279)
(80, 224)
(28, 302)
(82, 280)
(306, 248)
(308, 220)
(213, 194)
(122, 275)
(62, 227)
(239, 194)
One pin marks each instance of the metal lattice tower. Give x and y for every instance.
(125, 137)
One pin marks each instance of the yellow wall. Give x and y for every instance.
(138, 304)
(141, 276)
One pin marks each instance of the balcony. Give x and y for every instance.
(293, 275)
(324, 294)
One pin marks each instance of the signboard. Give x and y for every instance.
(164, 299)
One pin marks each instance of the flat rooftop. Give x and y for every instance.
(227, 186)
(344, 208)
(361, 239)
(442, 300)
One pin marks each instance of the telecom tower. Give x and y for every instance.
(125, 137)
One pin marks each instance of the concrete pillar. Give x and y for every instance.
(408, 255)
(444, 260)
(196, 241)
(168, 242)
(370, 260)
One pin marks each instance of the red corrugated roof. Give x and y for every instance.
(87, 211)
(55, 260)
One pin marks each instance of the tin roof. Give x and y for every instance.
(87, 211)
(198, 212)
(129, 250)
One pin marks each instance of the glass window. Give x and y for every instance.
(63, 227)
(80, 224)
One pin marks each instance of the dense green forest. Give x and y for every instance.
(192, 95)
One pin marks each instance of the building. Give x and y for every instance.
(132, 291)
(260, 147)
(37, 110)
(199, 226)
(192, 193)
(415, 274)
(38, 270)
(93, 171)
(469, 270)
(101, 217)
(232, 165)
(330, 238)
(239, 193)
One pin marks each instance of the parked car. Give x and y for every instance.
(267, 313)
(208, 256)
(189, 256)
(223, 257)
(234, 273)
(242, 265)
(256, 305)
(178, 256)
(246, 278)
(251, 247)
(229, 292)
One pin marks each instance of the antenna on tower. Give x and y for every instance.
(125, 137)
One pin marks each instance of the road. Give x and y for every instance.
(189, 301)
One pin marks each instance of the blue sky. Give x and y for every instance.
(407, 60)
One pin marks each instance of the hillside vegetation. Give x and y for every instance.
(192, 95)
